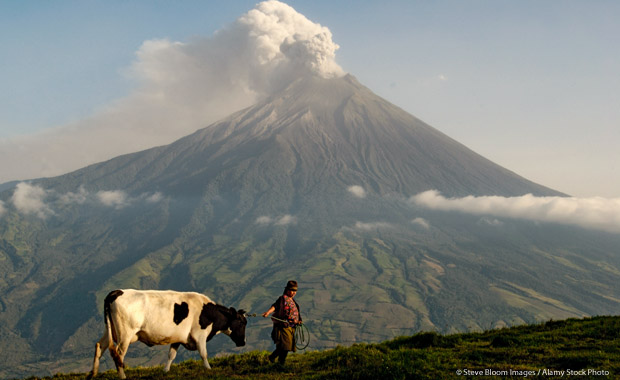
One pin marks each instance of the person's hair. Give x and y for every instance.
(291, 285)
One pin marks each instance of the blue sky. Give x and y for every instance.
(531, 85)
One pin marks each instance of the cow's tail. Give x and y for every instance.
(109, 324)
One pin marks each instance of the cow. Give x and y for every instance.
(161, 317)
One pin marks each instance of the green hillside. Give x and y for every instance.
(578, 348)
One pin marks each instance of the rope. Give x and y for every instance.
(302, 334)
(300, 337)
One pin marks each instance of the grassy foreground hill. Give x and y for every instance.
(575, 348)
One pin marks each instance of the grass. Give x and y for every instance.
(584, 348)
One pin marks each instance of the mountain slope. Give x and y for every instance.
(310, 184)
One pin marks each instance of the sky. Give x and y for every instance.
(533, 86)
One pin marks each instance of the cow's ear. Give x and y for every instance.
(241, 311)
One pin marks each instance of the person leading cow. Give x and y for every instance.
(286, 317)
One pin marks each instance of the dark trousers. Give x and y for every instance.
(284, 338)
(279, 354)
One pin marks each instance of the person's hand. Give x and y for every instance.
(265, 314)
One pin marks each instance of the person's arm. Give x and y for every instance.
(271, 310)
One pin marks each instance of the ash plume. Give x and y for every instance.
(181, 87)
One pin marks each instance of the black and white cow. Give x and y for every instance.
(157, 317)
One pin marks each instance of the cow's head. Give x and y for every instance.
(237, 324)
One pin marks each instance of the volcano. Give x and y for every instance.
(322, 135)
(310, 184)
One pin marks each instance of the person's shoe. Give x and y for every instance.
(282, 358)
(272, 358)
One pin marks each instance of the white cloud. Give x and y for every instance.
(30, 199)
(594, 213)
(181, 87)
(421, 222)
(490, 222)
(357, 191)
(264, 220)
(110, 198)
(154, 198)
(283, 220)
(371, 226)
(75, 198)
(114, 198)
(33, 199)
(286, 220)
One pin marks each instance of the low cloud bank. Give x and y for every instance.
(31, 199)
(593, 213)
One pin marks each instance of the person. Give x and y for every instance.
(286, 317)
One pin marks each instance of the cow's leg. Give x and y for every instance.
(171, 355)
(100, 348)
(202, 349)
(119, 358)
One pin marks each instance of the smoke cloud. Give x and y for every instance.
(593, 213)
(181, 87)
